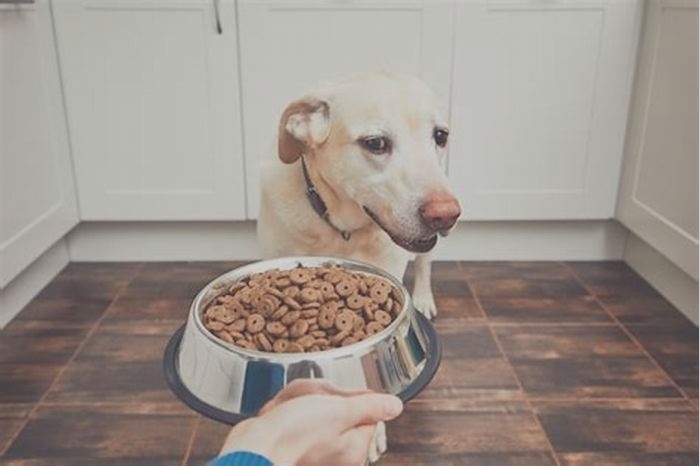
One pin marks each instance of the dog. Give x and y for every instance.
(357, 173)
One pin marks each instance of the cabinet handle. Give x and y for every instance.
(217, 16)
(15, 2)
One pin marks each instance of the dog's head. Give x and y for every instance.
(377, 141)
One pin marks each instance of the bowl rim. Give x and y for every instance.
(290, 262)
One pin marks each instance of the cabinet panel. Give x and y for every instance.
(37, 199)
(659, 191)
(287, 47)
(152, 99)
(539, 107)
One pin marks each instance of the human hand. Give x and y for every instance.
(313, 423)
(302, 387)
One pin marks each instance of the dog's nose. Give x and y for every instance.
(440, 211)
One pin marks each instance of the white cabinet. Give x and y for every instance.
(539, 105)
(288, 46)
(659, 190)
(152, 100)
(37, 200)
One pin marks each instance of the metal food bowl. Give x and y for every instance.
(228, 383)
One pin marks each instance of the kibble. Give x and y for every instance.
(304, 309)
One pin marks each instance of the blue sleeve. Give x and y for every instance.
(241, 458)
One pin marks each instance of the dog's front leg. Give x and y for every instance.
(423, 299)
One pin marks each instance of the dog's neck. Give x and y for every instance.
(319, 206)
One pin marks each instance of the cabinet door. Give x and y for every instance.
(152, 100)
(540, 98)
(288, 46)
(659, 191)
(37, 200)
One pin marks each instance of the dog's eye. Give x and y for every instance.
(376, 144)
(440, 136)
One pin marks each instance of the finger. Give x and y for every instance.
(370, 409)
(358, 444)
(349, 449)
(380, 437)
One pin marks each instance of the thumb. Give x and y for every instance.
(370, 408)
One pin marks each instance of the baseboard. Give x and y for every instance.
(18, 292)
(668, 279)
(185, 241)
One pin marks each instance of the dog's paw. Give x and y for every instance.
(378, 444)
(425, 304)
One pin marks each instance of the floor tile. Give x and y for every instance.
(440, 270)
(626, 295)
(78, 435)
(119, 363)
(26, 383)
(621, 432)
(495, 270)
(175, 280)
(644, 310)
(600, 399)
(628, 459)
(80, 281)
(93, 382)
(392, 458)
(487, 429)
(64, 312)
(611, 278)
(471, 366)
(12, 418)
(208, 440)
(152, 309)
(453, 298)
(569, 310)
(15, 410)
(449, 307)
(22, 342)
(540, 280)
(581, 361)
(675, 349)
(463, 341)
(91, 461)
(124, 342)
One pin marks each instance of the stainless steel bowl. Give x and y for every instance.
(229, 383)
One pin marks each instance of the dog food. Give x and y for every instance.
(303, 309)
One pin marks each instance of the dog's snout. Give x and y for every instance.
(440, 212)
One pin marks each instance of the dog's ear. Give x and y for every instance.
(305, 125)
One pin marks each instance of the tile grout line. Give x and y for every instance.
(515, 375)
(629, 335)
(190, 441)
(63, 368)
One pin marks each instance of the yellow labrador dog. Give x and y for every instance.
(357, 174)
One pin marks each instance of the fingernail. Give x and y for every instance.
(393, 406)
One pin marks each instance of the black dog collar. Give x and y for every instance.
(317, 203)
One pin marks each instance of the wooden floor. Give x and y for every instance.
(544, 363)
